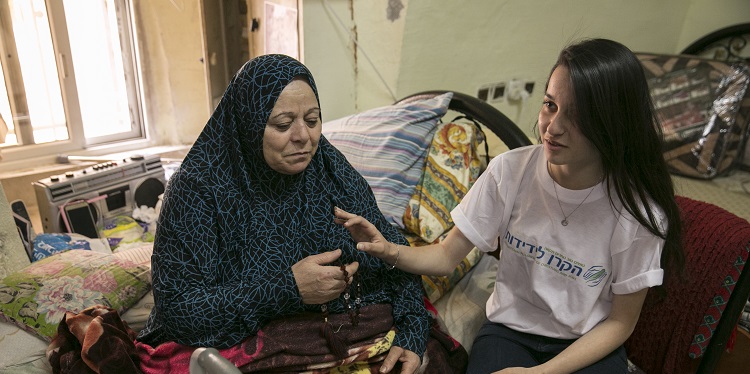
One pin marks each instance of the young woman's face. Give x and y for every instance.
(293, 129)
(564, 144)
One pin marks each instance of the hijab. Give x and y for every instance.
(231, 227)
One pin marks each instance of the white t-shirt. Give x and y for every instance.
(554, 280)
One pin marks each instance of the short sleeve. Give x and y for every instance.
(476, 216)
(638, 267)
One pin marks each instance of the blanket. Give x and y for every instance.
(97, 340)
(716, 245)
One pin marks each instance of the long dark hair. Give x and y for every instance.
(615, 112)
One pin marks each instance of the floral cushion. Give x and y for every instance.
(451, 168)
(36, 297)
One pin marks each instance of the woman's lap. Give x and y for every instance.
(496, 347)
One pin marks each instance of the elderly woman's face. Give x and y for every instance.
(293, 129)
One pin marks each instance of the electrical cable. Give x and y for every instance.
(356, 44)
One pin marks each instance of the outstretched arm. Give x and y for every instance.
(435, 259)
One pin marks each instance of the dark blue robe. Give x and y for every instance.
(231, 228)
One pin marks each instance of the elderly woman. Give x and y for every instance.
(247, 249)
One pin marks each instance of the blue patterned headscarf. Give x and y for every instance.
(231, 227)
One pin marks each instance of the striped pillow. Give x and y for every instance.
(388, 146)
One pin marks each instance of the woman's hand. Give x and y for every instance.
(409, 361)
(317, 281)
(367, 236)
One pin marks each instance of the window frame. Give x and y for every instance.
(20, 156)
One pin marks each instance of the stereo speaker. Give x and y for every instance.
(110, 189)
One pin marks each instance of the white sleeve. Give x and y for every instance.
(479, 215)
(638, 266)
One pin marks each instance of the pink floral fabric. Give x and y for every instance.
(37, 297)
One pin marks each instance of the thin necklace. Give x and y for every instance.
(564, 221)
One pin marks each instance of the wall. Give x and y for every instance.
(461, 45)
(347, 82)
(702, 18)
(513, 39)
(171, 38)
(416, 45)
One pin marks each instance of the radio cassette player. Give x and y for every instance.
(78, 201)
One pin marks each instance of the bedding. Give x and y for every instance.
(25, 352)
(462, 309)
(37, 296)
(451, 168)
(460, 313)
(398, 137)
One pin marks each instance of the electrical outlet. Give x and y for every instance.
(529, 87)
(498, 92)
(483, 93)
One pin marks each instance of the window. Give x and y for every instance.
(70, 76)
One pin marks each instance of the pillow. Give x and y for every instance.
(138, 314)
(19, 348)
(452, 167)
(47, 244)
(388, 146)
(138, 253)
(36, 297)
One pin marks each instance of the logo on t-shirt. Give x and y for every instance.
(595, 275)
(556, 261)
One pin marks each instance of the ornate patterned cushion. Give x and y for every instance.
(716, 309)
(451, 168)
(674, 327)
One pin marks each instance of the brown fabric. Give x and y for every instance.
(93, 341)
(296, 344)
(97, 340)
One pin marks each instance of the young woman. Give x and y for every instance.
(586, 220)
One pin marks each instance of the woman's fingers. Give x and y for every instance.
(341, 215)
(347, 219)
(409, 361)
(375, 249)
(352, 269)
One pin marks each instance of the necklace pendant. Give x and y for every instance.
(564, 222)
